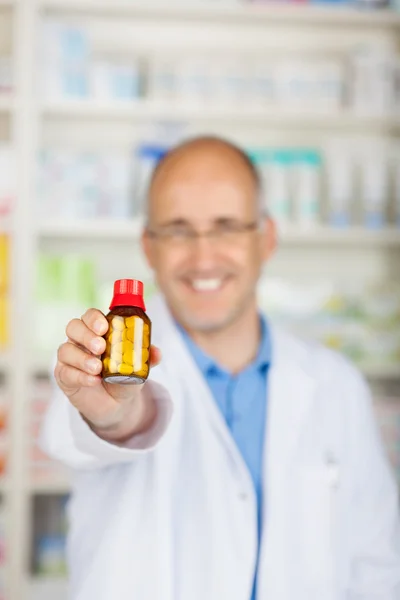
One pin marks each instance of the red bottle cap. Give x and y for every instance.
(128, 292)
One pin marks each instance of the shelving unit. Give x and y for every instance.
(38, 588)
(33, 122)
(147, 110)
(129, 231)
(57, 487)
(260, 15)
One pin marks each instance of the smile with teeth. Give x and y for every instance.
(207, 285)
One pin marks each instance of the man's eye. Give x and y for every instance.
(179, 233)
(227, 228)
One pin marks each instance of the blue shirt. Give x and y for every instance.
(242, 400)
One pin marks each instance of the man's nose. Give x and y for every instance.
(203, 250)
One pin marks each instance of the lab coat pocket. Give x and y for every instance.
(317, 522)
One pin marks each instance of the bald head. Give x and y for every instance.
(205, 160)
(206, 238)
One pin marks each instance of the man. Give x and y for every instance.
(269, 482)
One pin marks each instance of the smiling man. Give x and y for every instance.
(269, 481)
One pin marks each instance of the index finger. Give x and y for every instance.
(95, 321)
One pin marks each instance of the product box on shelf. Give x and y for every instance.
(362, 322)
(291, 181)
(85, 185)
(49, 536)
(7, 179)
(65, 287)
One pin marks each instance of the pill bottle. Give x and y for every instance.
(127, 354)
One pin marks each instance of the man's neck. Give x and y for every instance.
(235, 346)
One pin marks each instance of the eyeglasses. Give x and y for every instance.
(227, 233)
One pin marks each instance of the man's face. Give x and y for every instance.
(209, 242)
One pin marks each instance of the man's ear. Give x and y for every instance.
(148, 248)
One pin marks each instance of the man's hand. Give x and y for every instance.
(115, 412)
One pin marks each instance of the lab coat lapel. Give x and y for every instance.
(290, 398)
(193, 382)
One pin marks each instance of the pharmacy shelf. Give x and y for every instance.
(259, 15)
(49, 488)
(141, 110)
(102, 229)
(130, 230)
(352, 236)
(382, 372)
(5, 361)
(46, 588)
(4, 486)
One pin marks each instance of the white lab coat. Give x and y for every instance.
(172, 515)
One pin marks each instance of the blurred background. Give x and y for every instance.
(92, 93)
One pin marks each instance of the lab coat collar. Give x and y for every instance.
(207, 364)
(290, 383)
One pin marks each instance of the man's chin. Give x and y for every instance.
(205, 322)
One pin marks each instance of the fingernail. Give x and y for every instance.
(98, 326)
(97, 346)
(93, 365)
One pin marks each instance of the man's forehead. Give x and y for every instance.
(211, 198)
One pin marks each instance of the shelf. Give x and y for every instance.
(144, 109)
(46, 588)
(96, 229)
(5, 361)
(129, 231)
(352, 236)
(246, 12)
(57, 486)
(383, 373)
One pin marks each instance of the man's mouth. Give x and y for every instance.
(206, 284)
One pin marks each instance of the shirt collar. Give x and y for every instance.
(207, 364)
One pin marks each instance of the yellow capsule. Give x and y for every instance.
(116, 357)
(146, 340)
(108, 348)
(127, 358)
(129, 334)
(118, 323)
(146, 328)
(145, 355)
(106, 364)
(114, 336)
(117, 347)
(143, 372)
(125, 369)
(127, 347)
(113, 366)
(130, 321)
